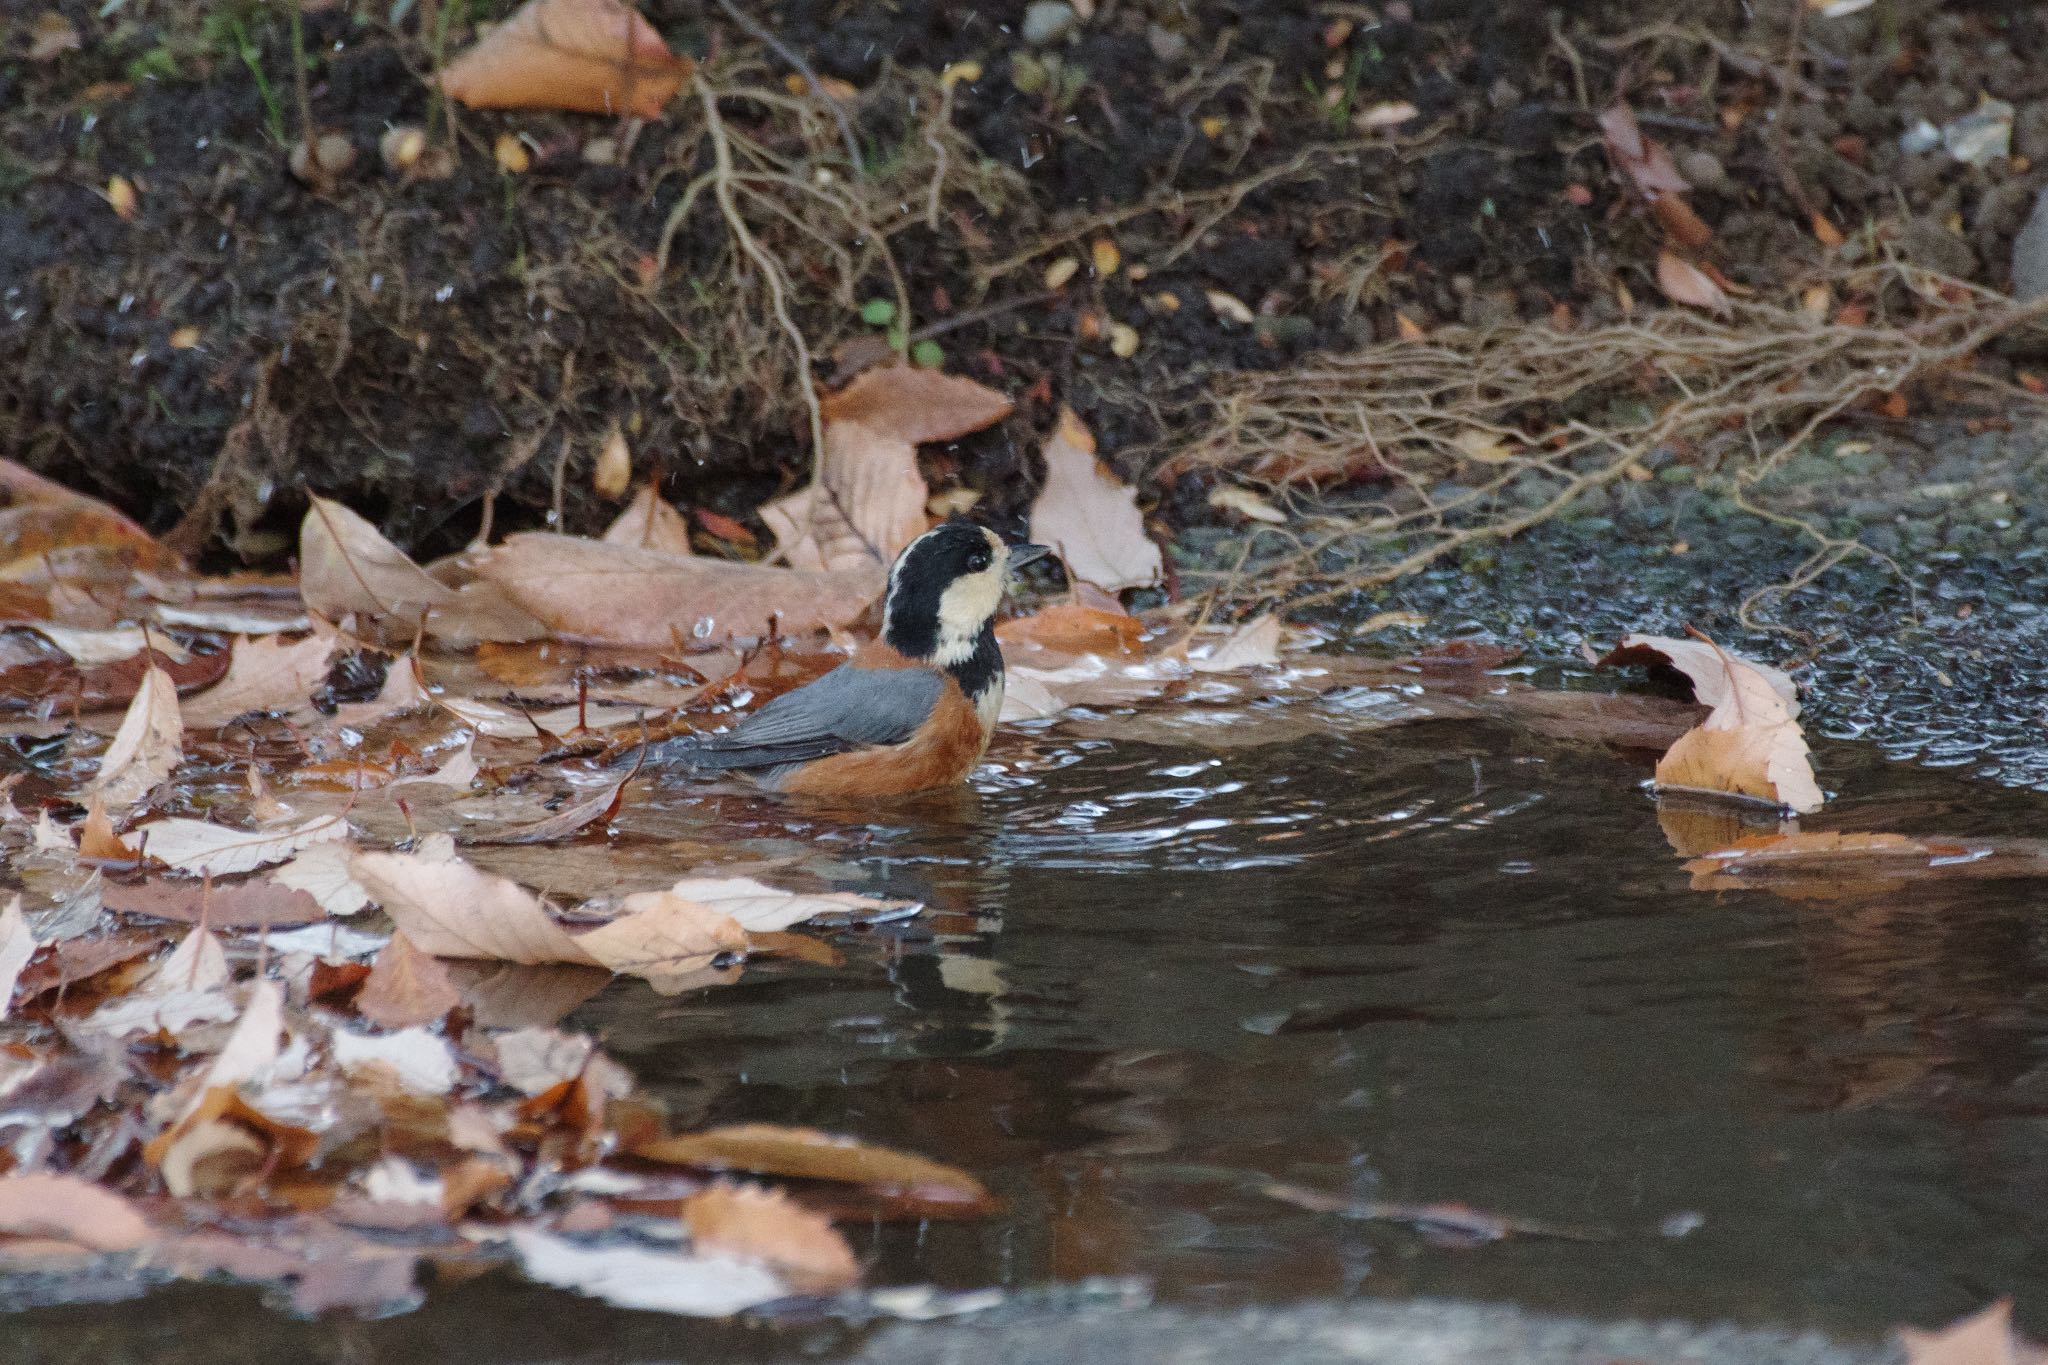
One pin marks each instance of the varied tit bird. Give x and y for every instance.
(910, 711)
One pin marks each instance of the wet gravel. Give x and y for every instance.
(1937, 653)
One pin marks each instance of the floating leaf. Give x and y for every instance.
(195, 846)
(756, 1223)
(808, 1154)
(265, 675)
(644, 1278)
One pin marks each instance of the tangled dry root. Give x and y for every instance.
(1526, 419)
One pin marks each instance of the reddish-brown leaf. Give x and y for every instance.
(406, 987)
(591, 56)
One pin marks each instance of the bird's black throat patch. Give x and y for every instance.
(982, 668)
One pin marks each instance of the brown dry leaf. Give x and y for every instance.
(1684, 282)
(76, 1210)
(1070, 628)
(614, 472)
(265, 675)
(868, 503)
(450, 909)
(1983, 1338)
(406, 987)
(148, 745)
(97, 841)
(1090, 516)
(347, 566)
(808, 1154)
(597, 808)
(650, 523)
(1750, 743)
(757, 1223)
(591, 56)
(915, 404)
(17, 946)
(621, 595)
(1642, 159)
(1823, 863)
(1679, 222)
(255, 904)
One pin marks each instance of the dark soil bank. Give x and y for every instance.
(410, 344)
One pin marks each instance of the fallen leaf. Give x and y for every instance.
(590, 56)
(650, 523)
(1070, 628)
(622, 595)
(614, 472)
(321, 872)
(265, 675)
(1247, 504)
(808, 1154)
(406, 987)
(1390, 115)
(146, 747)
(1750, 743)
(1090, 516)
(17, 946)
(1643, 160)
(347, 566)
(868, 503)
(915, 404)
(1255, 644)
(52, 35)
(42, 1205)
(451, 909)
(756, 1223)
(1679, 222)
(421, 1061)
(1818, 863)
(199, 963)
(1684, 282)
(597, 808)
(645, 1278)
(196, 847)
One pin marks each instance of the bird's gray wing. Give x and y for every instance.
(848, 708)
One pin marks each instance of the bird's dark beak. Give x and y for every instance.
(1020, 555)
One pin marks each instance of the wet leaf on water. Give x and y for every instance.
(199, 963)
(1090, 516)
(596, 809)
(623, 595)
(346, 566)
(1750, 743)
(1071, 628)
(257, 903)
(1255, 644)
(1985, 1337)
(146, 748)
(265, 675)
(1827, 864)
(321, 871)
(757, 1223)
(588, 56)
(40, 1205)
(656, 1281)
(650, 523)
(419, 1060)
(195, 846)
(406, 987)
(808, 1154)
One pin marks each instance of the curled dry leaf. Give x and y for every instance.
(808, 1154)
(1090, 516)
(590, 56)
(76, 1210)
(595, 809)
(264, 675)
(868, 503)
(622, 595)
(650, 523)
(1750, 743)
(756, 1223)
(148, 745)
(915, 404)
(347, 566)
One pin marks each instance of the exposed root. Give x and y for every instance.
(1469, 437)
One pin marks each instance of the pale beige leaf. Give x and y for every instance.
(451, 909)
(494, 721)
(868, 503)
(41, 1205)
(196, 847)
(623, 595)
(757, 1223)
(651, 523)
(90, 647)
(148, 745)
(614, 471)
(1750, 743)
(198, 964)
(660, 933)
(1719, 679)
(322, 872)
(915, 404)
(17, 946)
(1985, 1337)
(265, 675)
(760, 909)
(590, 56)
(459, 772)
(422, 1061)
(254, 1046)
(536, 1060)
(1255, 644)
(482, 612)
(402, 692)
(1090, 516)
(347, 566)
(1684, 282)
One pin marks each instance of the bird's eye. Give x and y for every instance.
(977, 561)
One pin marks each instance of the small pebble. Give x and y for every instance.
(1047, 21)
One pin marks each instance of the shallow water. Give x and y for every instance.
(1448, 962)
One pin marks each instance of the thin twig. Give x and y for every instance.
(802, 68)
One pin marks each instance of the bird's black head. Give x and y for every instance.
(943, 593)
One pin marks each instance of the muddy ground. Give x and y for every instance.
(411, 344)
